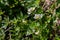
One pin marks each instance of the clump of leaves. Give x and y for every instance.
(29, 20)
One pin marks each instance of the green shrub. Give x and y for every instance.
(29, 20)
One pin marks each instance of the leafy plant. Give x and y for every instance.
(29, 20)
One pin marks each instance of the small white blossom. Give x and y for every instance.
(37, 32)
(30, 10)
(38, 16)
(24, 21)
(22, 4)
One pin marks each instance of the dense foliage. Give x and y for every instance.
(29, 19)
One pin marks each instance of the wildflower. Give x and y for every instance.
(37, 32)
(30, 10)
(24, 21)
(38, 16)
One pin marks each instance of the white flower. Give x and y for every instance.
(37, 32)
(22, 4)
(24, 21)
(38, 16)
(30, 10)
